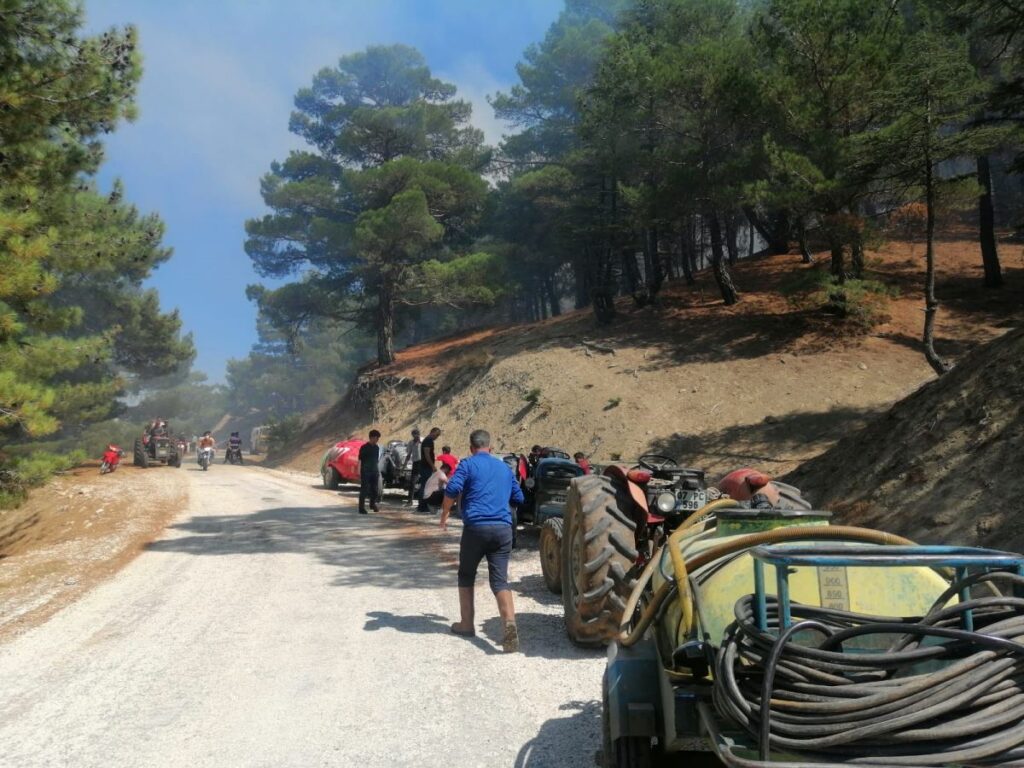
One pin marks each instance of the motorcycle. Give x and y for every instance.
(205, 458)
(233, 454)
(111, 458)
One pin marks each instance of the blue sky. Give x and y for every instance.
(214, 105)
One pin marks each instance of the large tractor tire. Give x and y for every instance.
(598, 555)
(139, 457)
(331, 478)
(174, 458)
(551, 554)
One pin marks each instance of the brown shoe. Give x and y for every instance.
(510, 643)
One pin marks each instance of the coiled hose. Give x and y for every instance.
(928, 693)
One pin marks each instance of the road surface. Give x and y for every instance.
(273, 626)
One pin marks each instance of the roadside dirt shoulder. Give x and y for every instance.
(77, 531)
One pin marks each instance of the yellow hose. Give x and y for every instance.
(774, 536)
(675, 552)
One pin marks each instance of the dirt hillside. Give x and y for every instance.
(770, 382)
(944, 465)
(75, 532)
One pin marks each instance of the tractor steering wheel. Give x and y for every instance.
(655, 462)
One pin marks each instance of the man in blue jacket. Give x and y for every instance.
(487, 487)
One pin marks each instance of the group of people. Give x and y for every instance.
(429, 471)
(486, 490)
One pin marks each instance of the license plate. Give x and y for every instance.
(691, 501)
(558, 498)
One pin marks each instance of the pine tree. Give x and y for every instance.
(391, 182)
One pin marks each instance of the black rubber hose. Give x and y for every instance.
(957, 698)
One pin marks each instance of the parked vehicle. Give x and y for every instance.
(111, 458)
(614, 523)
(395, 468)
(545, 492)
(259, 439)
(763, 637)
(341, 463)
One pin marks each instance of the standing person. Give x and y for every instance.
(581, 459)
(413, 455)
(369, 473)
(428, 464)
(487, 487)
(449, 459)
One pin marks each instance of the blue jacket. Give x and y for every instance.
(487, 486)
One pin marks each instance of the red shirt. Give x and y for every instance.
(586, 466)
(449, 461)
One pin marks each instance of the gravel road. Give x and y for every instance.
(273, 626)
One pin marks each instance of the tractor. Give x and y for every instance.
(615, 521)
(155, 446)
(759, 637)
(545, 491)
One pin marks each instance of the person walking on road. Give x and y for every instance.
(428, 464)
(487, 487)
(369, 473)
(414, 454)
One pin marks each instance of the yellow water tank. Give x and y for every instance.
(879, 591)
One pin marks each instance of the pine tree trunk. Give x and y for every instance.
(857, 257)
(603, 293)
(806, 257)
(987, 226)
(686, 250)
(730, 240)
(385, 322)
(581, 279)
(656, 277)
(931, 304)
(751, 236)
(552, 289)
(729, 294)
(838, 266)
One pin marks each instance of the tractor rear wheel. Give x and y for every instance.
(174, 458)
(598, 555)
(139, 457)
(331, 478)
(551, 554)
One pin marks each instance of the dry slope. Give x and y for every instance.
(945, 465)
(766, 382)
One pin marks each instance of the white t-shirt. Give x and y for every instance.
(414, 449)
(436, 482)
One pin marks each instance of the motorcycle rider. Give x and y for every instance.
(234, 447)
(206, 441)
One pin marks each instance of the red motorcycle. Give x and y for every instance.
(111, 458)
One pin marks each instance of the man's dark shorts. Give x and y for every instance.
(491, 541)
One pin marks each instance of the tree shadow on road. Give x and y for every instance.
(378, 550)
(565, 742)
(422, 624)
(541, 635)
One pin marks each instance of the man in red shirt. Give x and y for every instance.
(581, 459)
(448, 459)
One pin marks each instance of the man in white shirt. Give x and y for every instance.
(433, 490)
